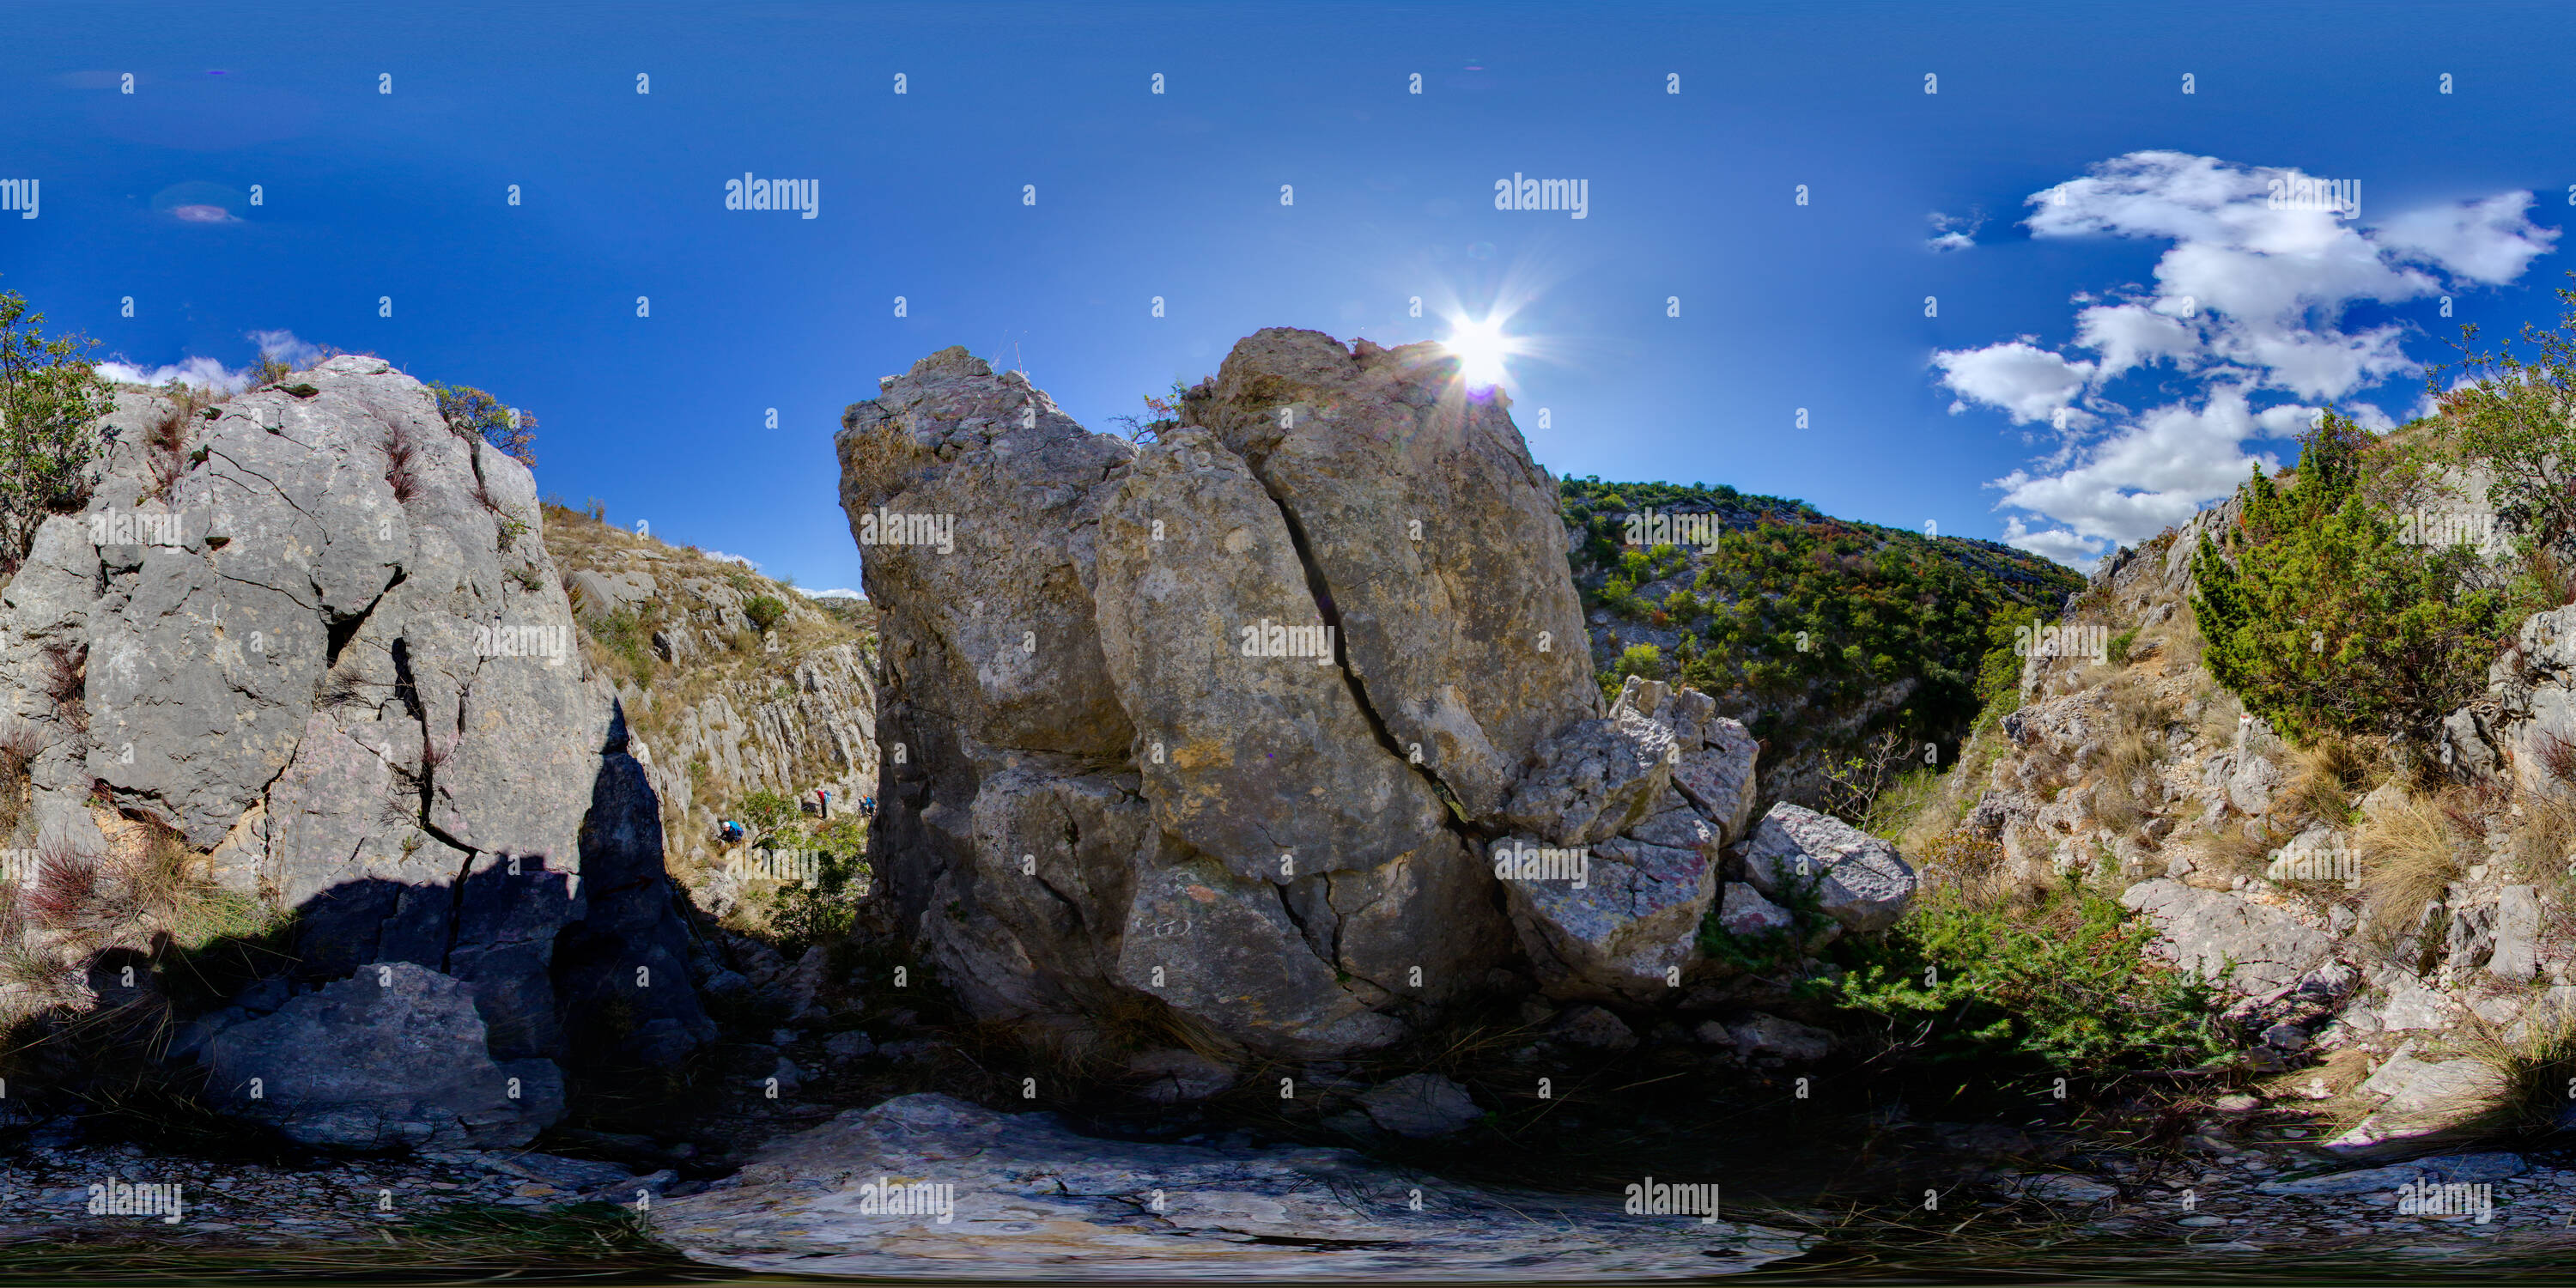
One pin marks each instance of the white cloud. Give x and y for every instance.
(2154, 473)
(2489, 241)
(210, 373)
(2054, 543)
(1955, 233)
(283, 346)
(2133, 335)
(721, 557)
(204, 373)
(838, 592)
(2247, 299)
(2026, 381)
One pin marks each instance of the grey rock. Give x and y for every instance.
(848, 1046)
(1770, 1035)
(1746, 914)
(1264, 756)
(1859, 880)
(1035, 1201)
(1593, 1029)
(2446, 1169)
(2209, 931)
(2062, 1188)
(1421, 1106)
(2517, 934)
(1715, 769)
(2253, 784)
(1178, 1076)
(393, 1056)
(1593, 779)
(1375, 441)
(1624, 926)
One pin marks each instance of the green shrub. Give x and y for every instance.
(2325, 621)
(2060, 990)
(51, 398)
(764, 612)
(475, 413)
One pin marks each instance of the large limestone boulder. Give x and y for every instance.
(1858, 880)
(323, 644)
(1278, 859)
(1436, 537)
(1267, 762)
(393, 1056)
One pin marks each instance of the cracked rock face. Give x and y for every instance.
(1295, 655)
(323, 644)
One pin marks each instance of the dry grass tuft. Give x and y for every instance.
(399, 473)
(2324, 773)
(2410, 854)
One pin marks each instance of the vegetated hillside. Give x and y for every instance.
(2318, 740)
(1829, 639)
(746, 697)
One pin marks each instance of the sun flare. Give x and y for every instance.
(1481, 348)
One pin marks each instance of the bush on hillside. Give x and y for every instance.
(2059, 990)
(765, 611)
(2324, 621)
(475, 413)
(51, 397)
(2518, 418)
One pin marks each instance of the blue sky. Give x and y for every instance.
(366, 195)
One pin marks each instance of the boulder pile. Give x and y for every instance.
(1284, 718)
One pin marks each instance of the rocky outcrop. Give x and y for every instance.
(1857, 879)
(1234, 719)
(723, 711)
(925, 1185)
(315, 635)
(393, 1056)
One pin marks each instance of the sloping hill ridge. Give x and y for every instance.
(1822, 635)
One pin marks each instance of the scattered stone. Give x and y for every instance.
(1421, 1106)
(1175, 1076)
(1594, 1029)
(1859, 880)
(1770, 1035)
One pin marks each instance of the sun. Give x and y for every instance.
(1481, 348)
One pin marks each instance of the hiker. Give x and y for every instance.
(731, 830)
(825, 796)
